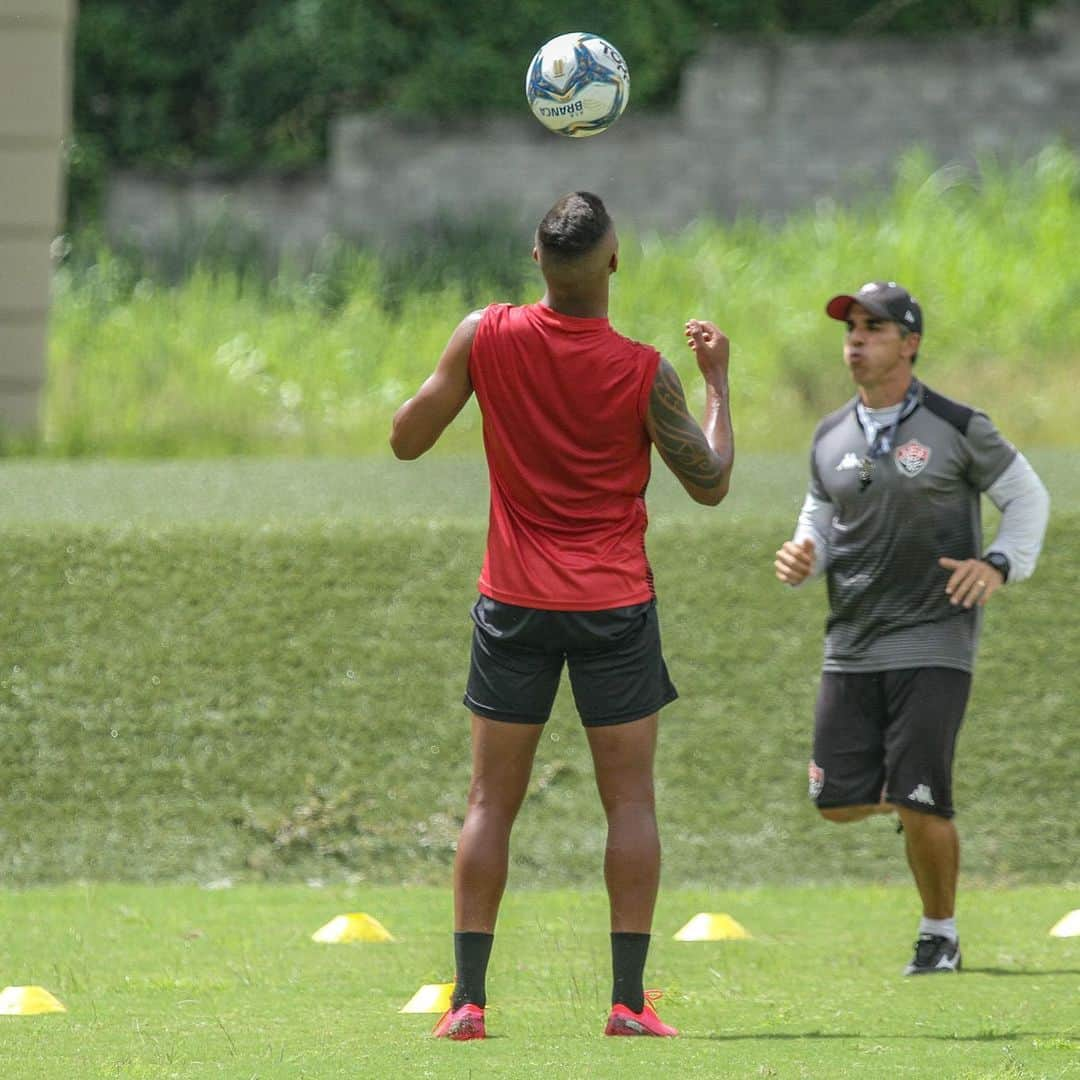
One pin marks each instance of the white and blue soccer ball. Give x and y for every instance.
(577, 85)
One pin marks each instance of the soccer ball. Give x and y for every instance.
(577, 85)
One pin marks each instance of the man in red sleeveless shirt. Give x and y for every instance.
(570, 410)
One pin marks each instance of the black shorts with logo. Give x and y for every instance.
(888, 735)
(617, 670)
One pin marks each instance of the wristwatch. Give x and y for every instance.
(999, 562)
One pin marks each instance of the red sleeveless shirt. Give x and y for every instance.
(564, 402)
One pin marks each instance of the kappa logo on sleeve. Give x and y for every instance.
(911, 458)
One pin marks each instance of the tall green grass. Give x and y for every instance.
(313, 361)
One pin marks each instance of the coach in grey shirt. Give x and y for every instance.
(892, 519)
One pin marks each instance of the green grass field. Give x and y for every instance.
(229, 690)
(254, 671)
(248, 673)
(182, 982)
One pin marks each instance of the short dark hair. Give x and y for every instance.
(904, 331)
(574, 225)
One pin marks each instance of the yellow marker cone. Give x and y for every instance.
(354, 927)
(711, 927)
(1067, 925)
(28, 1001)
(430, 998)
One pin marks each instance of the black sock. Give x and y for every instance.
(628, 952)
(471, 952)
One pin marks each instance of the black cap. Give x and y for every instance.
(885, 299)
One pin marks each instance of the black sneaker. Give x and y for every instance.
(934, 954)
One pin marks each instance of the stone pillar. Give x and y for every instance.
(35, 76)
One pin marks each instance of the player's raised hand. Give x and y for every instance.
(710, 345)
(972, 581)
(795, 562)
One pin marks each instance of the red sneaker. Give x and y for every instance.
(624, 1022)
(464, 1022)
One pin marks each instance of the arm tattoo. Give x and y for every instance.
(679, 439)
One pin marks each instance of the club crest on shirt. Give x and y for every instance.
(912, 457)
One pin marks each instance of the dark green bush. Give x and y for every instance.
(166, 82)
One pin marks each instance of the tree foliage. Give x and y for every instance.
(173, 81)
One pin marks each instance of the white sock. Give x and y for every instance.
(939, 927)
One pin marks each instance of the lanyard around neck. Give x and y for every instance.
(881, 439)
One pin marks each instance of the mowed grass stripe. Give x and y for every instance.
(197, 701)
(438, 487)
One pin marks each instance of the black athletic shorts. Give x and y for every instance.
(888, 735)
(617, 671)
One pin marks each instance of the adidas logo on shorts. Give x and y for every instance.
(922, 794)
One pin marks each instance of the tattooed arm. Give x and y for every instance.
(700, 456)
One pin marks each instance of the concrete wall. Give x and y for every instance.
(34, 111)
(762, 126)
